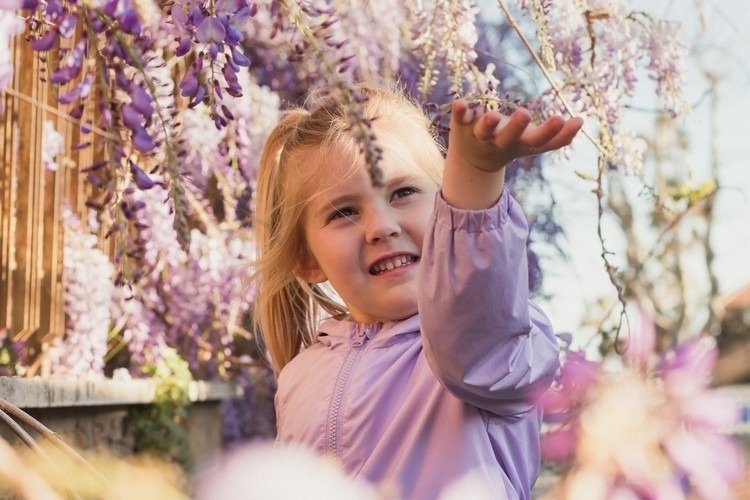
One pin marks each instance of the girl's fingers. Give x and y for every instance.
(537, 137)
(508, 135)
(565, 136)
(487, 124)
(461, 113)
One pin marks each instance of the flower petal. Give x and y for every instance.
(211, 30)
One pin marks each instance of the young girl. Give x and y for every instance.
(425, 370)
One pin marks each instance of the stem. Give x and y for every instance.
(31, 443)
(713, 322)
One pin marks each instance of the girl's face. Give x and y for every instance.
(367, 241)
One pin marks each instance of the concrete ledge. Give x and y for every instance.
(58, 393)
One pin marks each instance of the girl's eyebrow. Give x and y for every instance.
(401, 179)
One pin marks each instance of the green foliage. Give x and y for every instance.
(158, 428)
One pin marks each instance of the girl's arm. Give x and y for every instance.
(482, 144)
(483, 338)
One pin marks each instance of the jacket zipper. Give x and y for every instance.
(333, 438)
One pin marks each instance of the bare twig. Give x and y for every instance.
(46, 107)
(611, 269)
(22, 434)
(55, 439)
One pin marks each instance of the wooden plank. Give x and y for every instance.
(8, 188)
(25, 276)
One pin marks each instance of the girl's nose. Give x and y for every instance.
(382, 224)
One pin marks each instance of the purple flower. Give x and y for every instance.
(211, 30)
(46, 41)
(10, 5)
(184, 47)
(144, 143)
(68, 26)
(131, 118)
(142, 180)
(140, 100)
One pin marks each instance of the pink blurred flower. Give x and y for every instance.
(652, 429)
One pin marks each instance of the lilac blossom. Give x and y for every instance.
(256, 113)
(599, 47)
(87, 280)
(369, 30)
(629, 152)
(189, 301)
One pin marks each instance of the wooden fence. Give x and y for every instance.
(32, 198)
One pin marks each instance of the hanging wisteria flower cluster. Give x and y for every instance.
(650, 428)
(87, 280)
(595, 50)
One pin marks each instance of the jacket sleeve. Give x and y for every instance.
(483, 338)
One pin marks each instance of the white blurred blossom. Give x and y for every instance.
(281, 472)
(10, 26)
(52, 145)
(629, 151)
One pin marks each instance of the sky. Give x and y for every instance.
(576, 284)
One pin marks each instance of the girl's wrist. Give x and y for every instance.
(467, 186)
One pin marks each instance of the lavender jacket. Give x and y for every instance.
(416, 404)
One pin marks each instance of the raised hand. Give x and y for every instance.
(480, 145)
(489, 141)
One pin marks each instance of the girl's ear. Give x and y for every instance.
(308, 269)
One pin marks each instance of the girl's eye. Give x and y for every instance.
(339, 213)
(403, 192)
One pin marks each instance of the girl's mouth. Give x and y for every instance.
(391, 263)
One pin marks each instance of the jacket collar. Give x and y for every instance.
(335, 331)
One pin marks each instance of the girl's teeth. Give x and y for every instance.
(392, 264)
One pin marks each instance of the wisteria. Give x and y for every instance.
(444, 37)
(87, 280)
(598, 47)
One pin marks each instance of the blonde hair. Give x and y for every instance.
(287, 308)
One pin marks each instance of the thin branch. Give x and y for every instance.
(23, 435)
(55, 439)
(31, 443)
(611, 270)
(60, 114)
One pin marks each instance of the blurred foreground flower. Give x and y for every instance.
(265, 470)
(652, 429)
(47, 473)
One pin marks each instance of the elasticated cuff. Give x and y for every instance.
(474, 221)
